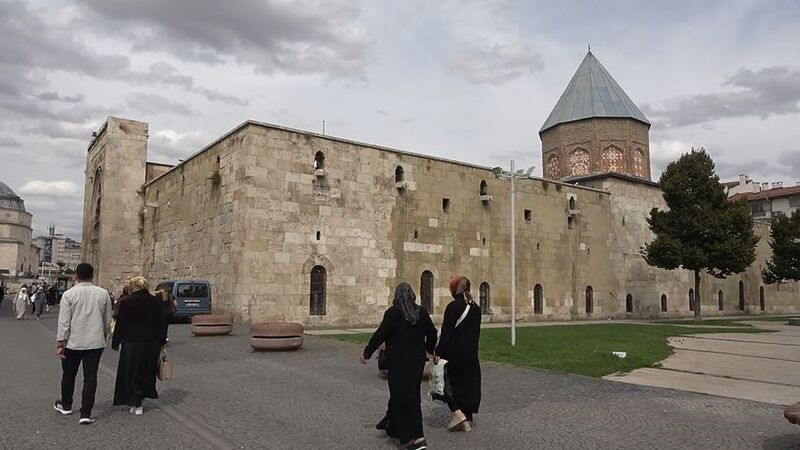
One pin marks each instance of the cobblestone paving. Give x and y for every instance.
(321, 397)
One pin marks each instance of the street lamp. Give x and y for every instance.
(501, 174)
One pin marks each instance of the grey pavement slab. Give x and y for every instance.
(321, 397)
(757, 349)
(736, 366)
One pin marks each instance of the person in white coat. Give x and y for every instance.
(21, 302)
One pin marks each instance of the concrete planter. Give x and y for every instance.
(276, 336)
(212, 325)
(792, 413)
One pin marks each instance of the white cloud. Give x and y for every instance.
(493, 62)
(58, 189)
(169, 145)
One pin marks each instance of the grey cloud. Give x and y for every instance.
(381, 112)
(9, 142)
(167, 74)
(169, 146)
(154, 104)
(314, 36)
(769, 91)
(494, 63)
(55, 97)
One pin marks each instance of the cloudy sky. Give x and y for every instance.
(468, 80)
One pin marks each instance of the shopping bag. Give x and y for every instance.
(437, 380)
(164, 366)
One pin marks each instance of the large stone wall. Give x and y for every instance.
(251, 214)
(15, 241)
(115, 168)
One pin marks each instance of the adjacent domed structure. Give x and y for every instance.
(595, 128)
(9, 199)
(16, 253)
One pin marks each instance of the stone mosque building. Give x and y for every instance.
(293, 225)
(17, 256)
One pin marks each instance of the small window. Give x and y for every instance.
(485, 291)
(721, 300)
(589, 300)
(183, 183)
(629, 303)
(623, 221)
(318, 288)
(319, 161)
(446, 204)
(761, 297)
(318, 235)
(528, 216)
(399, 174)
(570, 222)
(484, 188)
(538, 299)
(416, 234)
(663, 302)
(537, 246)
(572, 203)
(691, 299)
(483, 241)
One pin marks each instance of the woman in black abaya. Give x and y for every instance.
(409, 335)
(461, 331)
(141, 332)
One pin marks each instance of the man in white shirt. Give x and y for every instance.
(83, 325)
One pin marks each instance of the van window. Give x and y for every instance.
(192, 290)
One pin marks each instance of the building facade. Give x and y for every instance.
(17, 256)
(59, 251)
(293, 225)
(765, 200)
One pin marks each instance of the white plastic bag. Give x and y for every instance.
(437, 379)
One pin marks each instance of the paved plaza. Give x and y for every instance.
(225, 396)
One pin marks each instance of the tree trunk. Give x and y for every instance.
(696, 295)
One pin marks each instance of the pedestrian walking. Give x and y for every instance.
(141, 333)
(83, 325)
(409, 334)
(168, 309)
(2, 293)
(21, 302)
(461, 330)
(39, 301)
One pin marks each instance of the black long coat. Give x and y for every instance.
(406, 348)
(459, 346)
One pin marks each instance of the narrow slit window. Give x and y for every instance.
(446, 204)
(528, 216)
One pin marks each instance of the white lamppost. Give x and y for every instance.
(501, 174)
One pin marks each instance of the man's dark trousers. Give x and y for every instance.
(69, 366)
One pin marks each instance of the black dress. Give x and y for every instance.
(406, 348)
(141, 331)
(459, 346)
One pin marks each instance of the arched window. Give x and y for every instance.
(639, 164)
(538, 300)
(579, 162)
(612, 160)
(721, 300)
(589, 300)
(761, 297)
(318, 282)
(399, 174)
(629, 303)
(663, 302)
(319, 161)
(741, 296)
(98, 191)
(572, 203)
(485, 299)
(426, 290)
(691, 299)
(551, 168)
(183, 183)
(484, 188)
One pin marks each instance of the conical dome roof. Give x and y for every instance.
(9, 199)
(592, 92)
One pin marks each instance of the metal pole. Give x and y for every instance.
(513, 263)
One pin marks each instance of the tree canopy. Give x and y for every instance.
(785, 242)
(700, 230)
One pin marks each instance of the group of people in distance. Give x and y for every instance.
(408, 334)
(37, 298)
(140, 322)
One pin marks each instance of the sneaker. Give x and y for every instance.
(58, 406)
(137, 411)
(87, 420)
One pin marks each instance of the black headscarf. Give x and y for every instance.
(404, 300)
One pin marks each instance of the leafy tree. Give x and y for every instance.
(785, 262)
(701, 230)
(61, 265)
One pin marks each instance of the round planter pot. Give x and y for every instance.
(276, 329)
(276, 343)
(212, 319)
(211, 330)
